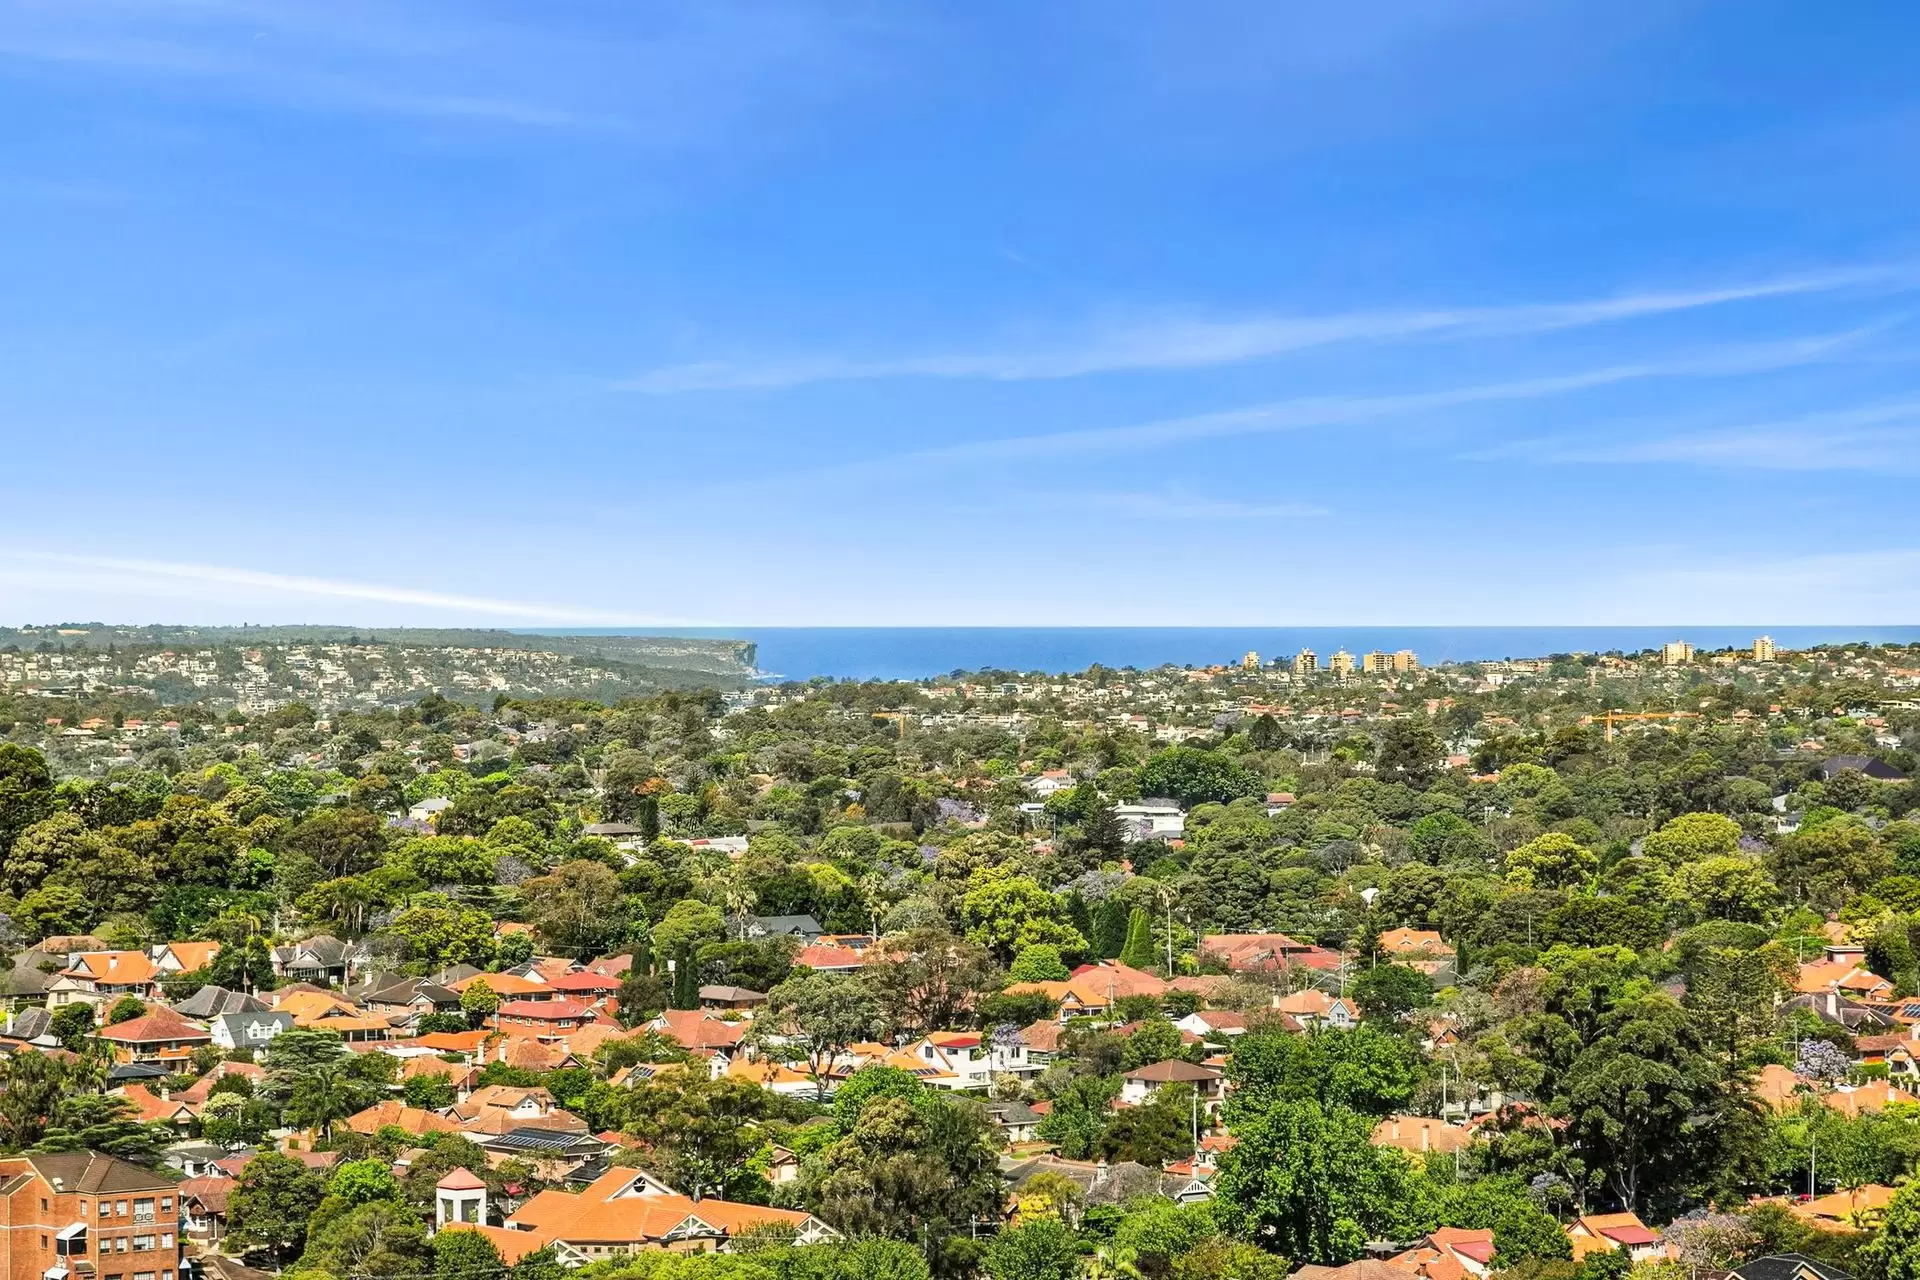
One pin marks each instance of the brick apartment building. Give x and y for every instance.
(80, 1215)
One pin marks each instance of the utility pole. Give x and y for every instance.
(1196, 1128)
(1166, 896)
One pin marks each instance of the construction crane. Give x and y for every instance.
(1610, 716)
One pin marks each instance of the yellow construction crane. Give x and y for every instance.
(1610, 716)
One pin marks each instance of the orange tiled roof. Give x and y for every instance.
(194, 955)
(1420, 1134)
(149, 1107)
(116, 967)
(393, 1112)
(610, 1212)
(1875, 1095)
(151, 1028)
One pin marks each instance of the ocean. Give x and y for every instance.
(912, 653)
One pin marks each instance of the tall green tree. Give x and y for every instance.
(1138, 951)
(1307, 1183)
(1110, 929)
(466, 1255)
(268, 1208)
(1895, 1253)
(578, 909)
(828, 1011)
(35, 1083)
(923, 1170)
(698, 1131)
(26, 791)
(1044, 1249)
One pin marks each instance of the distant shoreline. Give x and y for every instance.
(918, 653)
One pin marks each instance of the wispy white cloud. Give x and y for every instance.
(1173, 344)
(154, 574)
(1173, 504)
(1329, 411)
(1877, 438)
(665, 77)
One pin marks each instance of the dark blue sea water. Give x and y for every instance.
(910, 653)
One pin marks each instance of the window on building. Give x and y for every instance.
(166, 1239)
(166, 1204)
(143, 1275)
(142, 1244)
(120, 1208)
(143, 1210)
(120, 1245)
(43, 1204)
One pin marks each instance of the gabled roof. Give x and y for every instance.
(613, 1211)
(149, 1107)
(694, 1030)
(193, 955)
(211, 1002)
(547, 1010)
(89, 1172)
(393, 1112)
(805, 925)
(210, 1193)
(118, 968)
(827, 958)
(1173, 1071)
(323, 950)
(585, 981)
(150, 1028)
(1110, 978)
(1789, 1266)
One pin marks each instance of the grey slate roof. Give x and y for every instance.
(1789, 1266)
(26, 1024)
(804, 926)
(1869, 765)
(212, 1002)
(1111, 1184)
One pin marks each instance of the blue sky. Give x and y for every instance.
(1081, 313)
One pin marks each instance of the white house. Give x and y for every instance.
(248, 1030)
(1213, 1023)
(429, 809)
(1140, 1084)
(1151, 821)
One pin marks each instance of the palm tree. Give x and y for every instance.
(319, 1099)
(739, 899)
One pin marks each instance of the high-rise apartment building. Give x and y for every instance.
(1405, 660)
(1676, 653)
(1306, 662)
(1341, 663)
(1377, 663)
(1251, 662)
(1763, 649)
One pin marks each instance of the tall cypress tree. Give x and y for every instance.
(1080, 917)
(1138, 952)
(686, 981)
(1110, 929)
